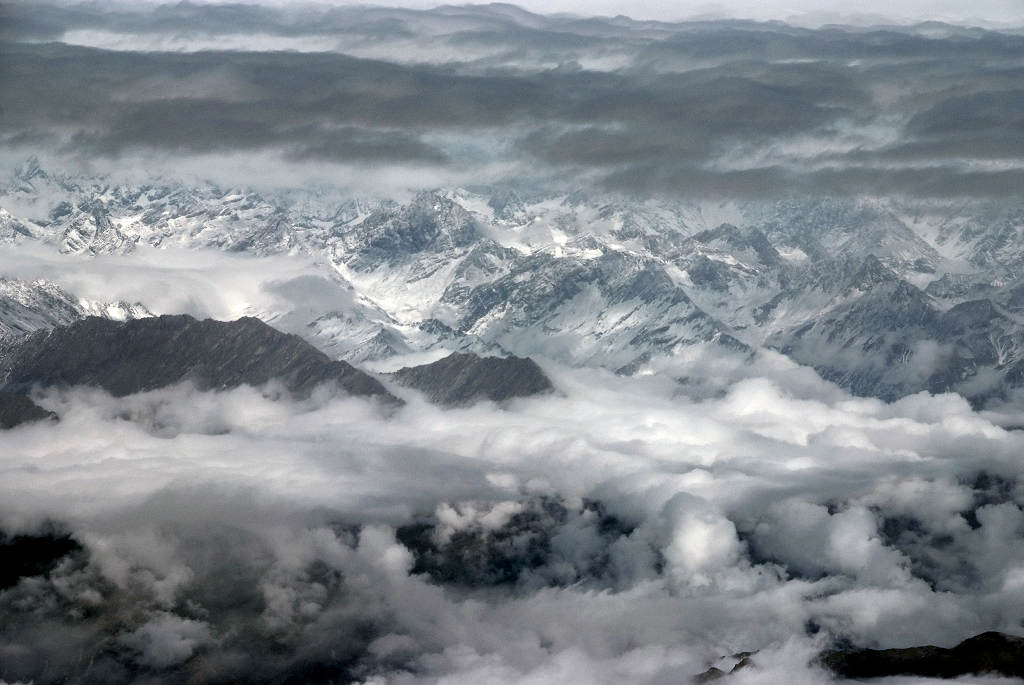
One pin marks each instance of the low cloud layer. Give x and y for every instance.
(622, 529)
(617, 532)
(625, 529)
(734, 109)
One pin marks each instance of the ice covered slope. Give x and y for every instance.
(30, 306)
(875, 294)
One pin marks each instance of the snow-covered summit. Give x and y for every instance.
(581, 276)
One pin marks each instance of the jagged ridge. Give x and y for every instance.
(461, 379)
(992, 653)
(146, 354)
(867, 292)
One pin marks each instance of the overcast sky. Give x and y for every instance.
(491, 94)
(995, 12)
(989, 11)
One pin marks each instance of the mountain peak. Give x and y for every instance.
(507, 206)
(461, 379)
(431, 221)
(29, 169)
(732, 238)
(146, 354)
(872, 272)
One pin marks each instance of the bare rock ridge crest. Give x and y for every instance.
(16, 409)
(460, 379)
(885, 297)
(988, 654)
(146, 354)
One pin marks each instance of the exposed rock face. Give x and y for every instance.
(26, 307)
(428, 223)
(995, 653)
(884, 297)
(17, 409)
(514, 543)
(461, 379)
(146, 354)
(714, 673)
(24, 556)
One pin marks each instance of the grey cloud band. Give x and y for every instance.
(726, 108)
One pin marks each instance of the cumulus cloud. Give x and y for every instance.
(167, 640)
(620, 531)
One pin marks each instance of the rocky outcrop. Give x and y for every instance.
(146, 354)
(25, 556)
(17, 409)
(462, 379)
(988, 653)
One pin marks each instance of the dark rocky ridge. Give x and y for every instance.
(146, 354)
(992, 653)
(714, 673)
(461, 379)
(880, 336)
(521, 551)
(17, 409)
(23, 556)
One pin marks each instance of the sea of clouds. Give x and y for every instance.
(621, 530)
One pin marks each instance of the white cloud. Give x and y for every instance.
(814, 12)
(729, 518)
(741, 533)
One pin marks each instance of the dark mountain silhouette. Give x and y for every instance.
(460, 379)
(33, 555)
(17, 409)
(994, 653)
(146, 354)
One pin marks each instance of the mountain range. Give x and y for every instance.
(144, 354)
(154, 352)
(883, 297)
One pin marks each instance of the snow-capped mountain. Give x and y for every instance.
(883, 297)
(30, 306)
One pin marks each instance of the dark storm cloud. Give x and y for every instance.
(981, 116)
(748, 40)
(727, 107)
(25, 20)
(672, 118)
(116, 101)
(113, 102)
(772, 181)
